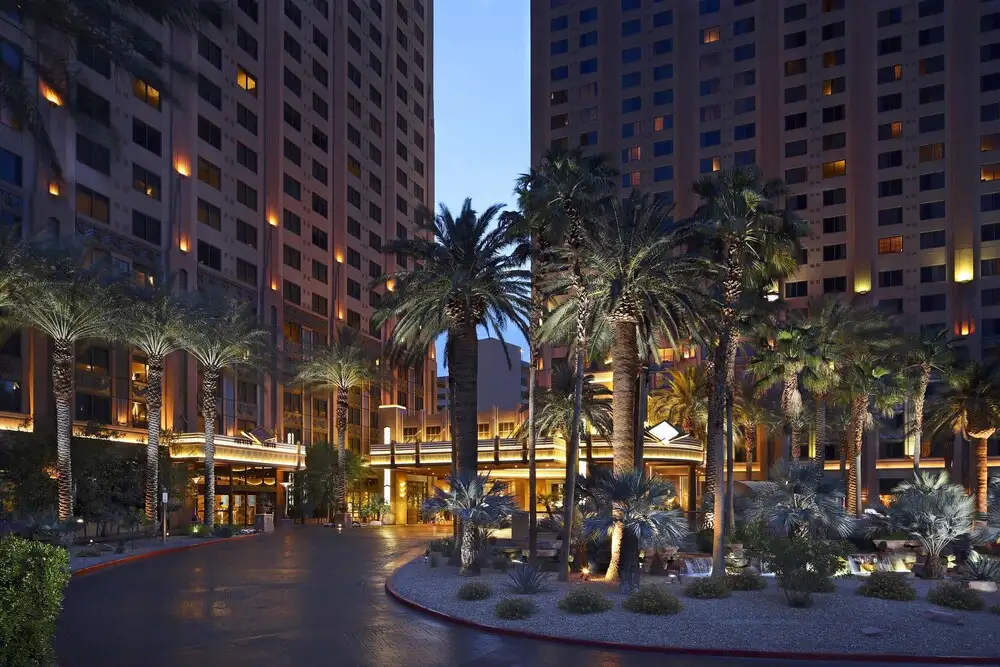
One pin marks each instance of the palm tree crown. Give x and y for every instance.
(797, 500)
(554, 412)
(683, 402)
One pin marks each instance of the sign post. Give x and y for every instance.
(163, 513)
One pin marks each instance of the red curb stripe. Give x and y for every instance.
(159, 552)
(690, 650)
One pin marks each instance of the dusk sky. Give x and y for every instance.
(481, 105)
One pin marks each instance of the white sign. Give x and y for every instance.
(164, 496)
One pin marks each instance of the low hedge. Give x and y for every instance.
(515, 609)
(707, 588)
(888, 586)
(33, 577)
(652, 599)
(955, 596)
(474, 590)
(582, 600)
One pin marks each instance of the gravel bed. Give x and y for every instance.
(758, 620)
(141, 547)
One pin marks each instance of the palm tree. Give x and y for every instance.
(751, 412)
(931, 510)
(342, 368)
(869, 385)
(156, 322)
(554, 411)
(683, 402)
(463, 278)
(780, 361)
(475, 501)
(230, 338)
(754, 243)
(567, 190)
(971, 406)
(68, 299)
(14, 272)
(114, 29)
(797, 501)
(925, 355)
(638, 505)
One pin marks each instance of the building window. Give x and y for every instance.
(246, 81)
(292, 292)
(209, 255)
(890, 244)
(320, 305)
(834, 252)
(147, 136)
(710, 35)
(889, 45)
(144, 181)
(890, 188)
(710, 138)
(88, 152)
(794, 67)
(209, 173)
(146, 227)
(935, 239)
(209, 214)
(932, 181)
(893, 278)
(798, 289)
(246, 195)
(246, 233)
(835, 285)
(890, 159)
(890, 216)
(930, 303)
(889, 73)
(890, 130)
(291, 257)
(933, 123)
(932, 210)
(246, 272)
(834, 58)
(834, 169)
(931, 152)
(146, 93)
(834, 197)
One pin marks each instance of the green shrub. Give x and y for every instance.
(745, 580)
(515, 609)
(443, 545)
(707, 588)
(528, 579)
(474, 590)
(888, 586)
(89, 552)
(583, 600)
(956, 596)
(198, 530)
(802, 565)
(33, 576)
(652, 599)
(223, 530)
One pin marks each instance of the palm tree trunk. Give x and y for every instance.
(918, 415)
(856, 435)
(630, 572)
(750, 445)
(154, 401)
(573, 447)
(792, 449)
(532, 446)
(209, 387)
(63, 382)
(730, 455)
(340, 491)
(468, 550)
(625, 357)
(464, 370)
(843, 463)
(982, 476)
(820, 456)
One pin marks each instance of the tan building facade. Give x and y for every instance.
(301, 144)
(882, 116)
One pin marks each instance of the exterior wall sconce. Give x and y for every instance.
(184, 245)
(339, 257)
(183, 167)
(965, 269)
(51, 95)
(272, 219)
(54, 188)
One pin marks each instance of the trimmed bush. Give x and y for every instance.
(583, 600)
(528, 579)
(888, 586)
(955, 596)
(33, 576)
(515, 609)
(474, 590)
(652, 599)
(745, 580)
(707, 588)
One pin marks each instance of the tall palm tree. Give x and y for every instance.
(341, 368)
(554, 411)
(68, 299)
(156, 321)
(683, 402)
(925, 355)
(971, 406)
(230, 338)
(870, 384)
(638, 506)
(782, 355)
(754, 243)
(567, 189)
(751, 412)
(115, 29)
(14, 272)
(463, 278)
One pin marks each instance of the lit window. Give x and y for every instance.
(890, 244)
(246, 81)
(633, 179)
(989, 172)
(896, 129)
(989, 142)
(634, 153)
(931, 152)
(146, 93)
(834, 169)
(709, 35)
(661, 122)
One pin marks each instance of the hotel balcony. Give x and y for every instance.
(229, 449)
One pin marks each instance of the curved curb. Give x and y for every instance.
(686, 650)
(90, 569)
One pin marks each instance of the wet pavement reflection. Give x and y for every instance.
(303, 596)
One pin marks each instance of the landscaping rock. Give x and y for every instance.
(871, 632)
(946, 617)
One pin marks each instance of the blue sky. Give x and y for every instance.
(481, 104)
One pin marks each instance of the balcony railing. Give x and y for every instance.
(238, 449)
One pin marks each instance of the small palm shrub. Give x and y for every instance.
(474, 590)
(443, 545)
(223, 530)
(528, 579)
(980, 568)
(708, 588)
(956, 596)
(652, 599)
(745, 580)
(582, 600)
(888, 586)
(515, 609)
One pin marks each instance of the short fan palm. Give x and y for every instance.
(476, 501)
(639, 506)
(797, 501)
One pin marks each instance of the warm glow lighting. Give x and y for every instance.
(340, 314)
(53, 188)
(183, 167)
(862, 283)
(274, 285)
(184, 244)
(51, 95)
(964, 265)
(272, 220)
(340, 257)
(390, 285)
(772, 291)
(386, 435)
(963, 276)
